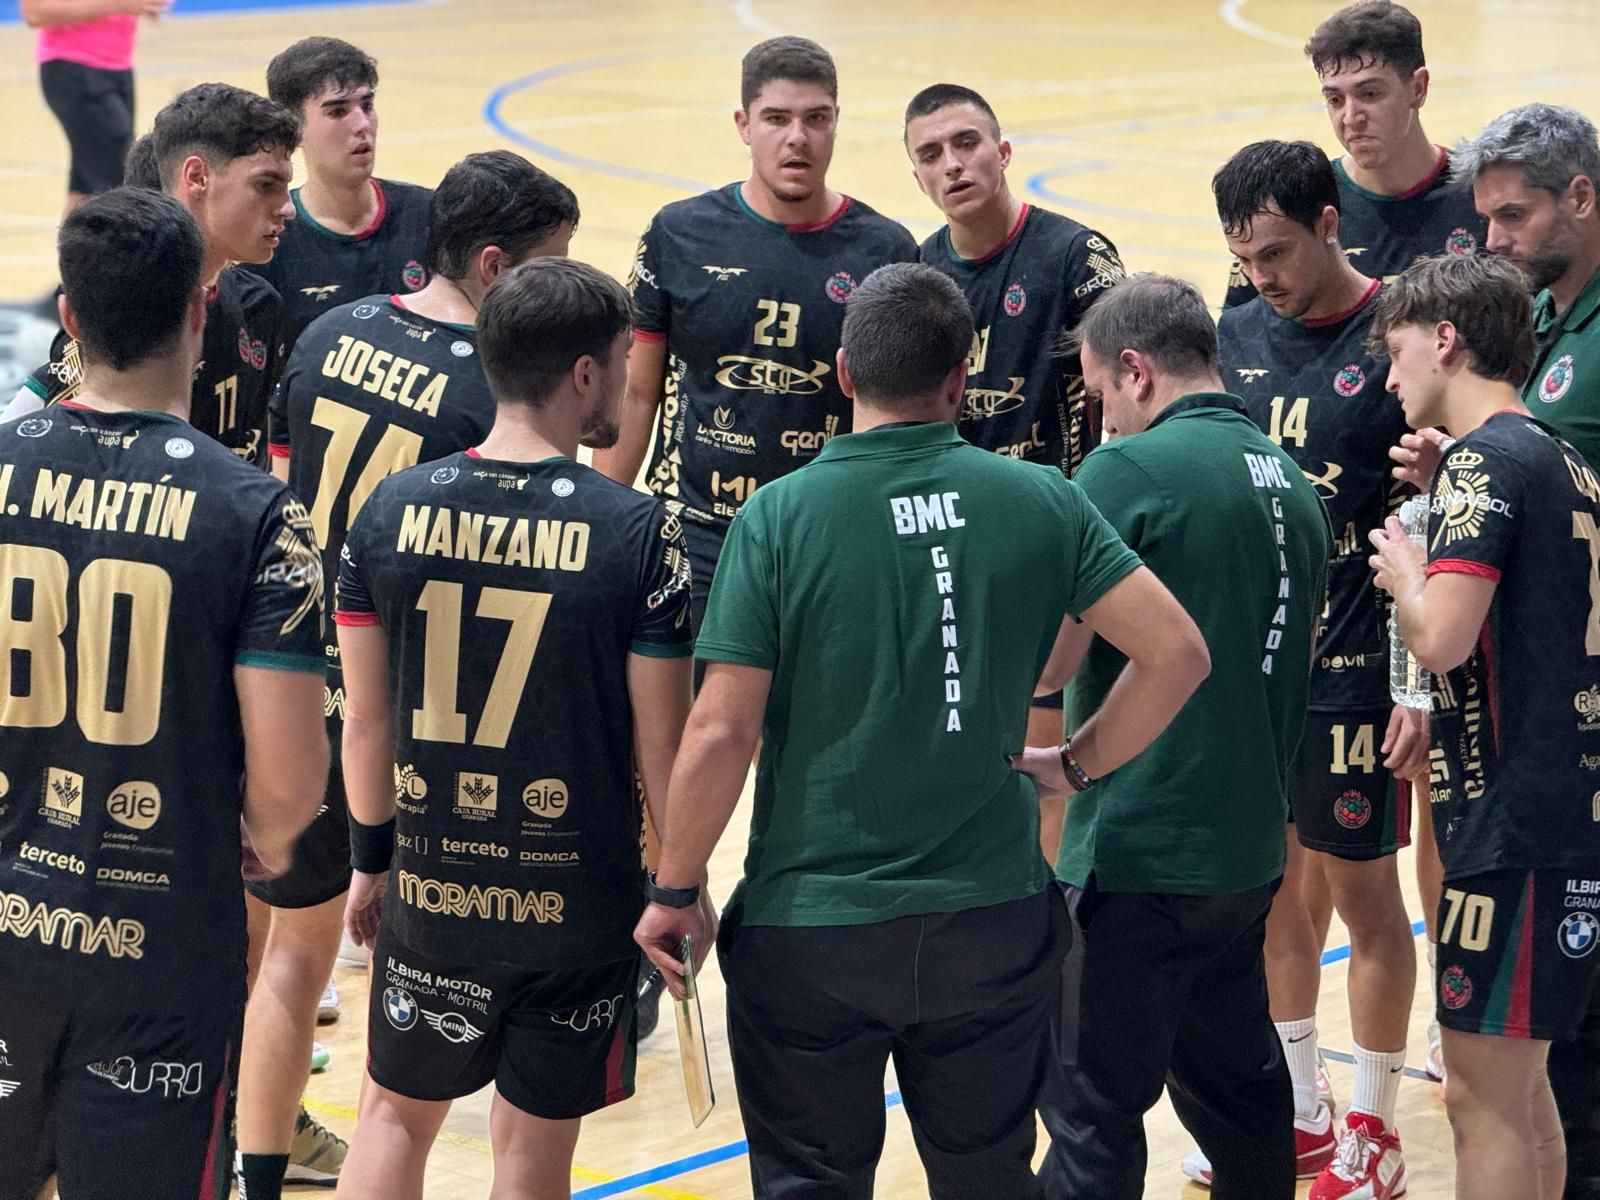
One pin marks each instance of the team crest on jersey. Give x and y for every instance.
(1578, 934)
(1455, 988)
(413, 276)
(1460, 241)
(1350, 380)
(252, 350)
(841, 287)
(1015, 300)
(1557, 381)
(1352, 809)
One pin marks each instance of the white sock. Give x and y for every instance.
(1299, 1040)
(1378, 1077)
(1433, 987)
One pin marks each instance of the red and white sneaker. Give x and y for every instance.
(1324, 1084)
(1368, 1165)
(1314, 1147)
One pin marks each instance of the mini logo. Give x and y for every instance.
(461, 349)
(179, 447)
(1352, 810)
(8, 1088)
(840, 287)
(135, 804)
(63, 797)
(400, 1008)
(34, 427)
(1460, 241)
(365, 312)
(546, 798)
(477, 796)
(1251, 374)
(1557, 381)
(1578, 934)
(563, 487)
(444, 475)
(453, 1027)
(1455, 989)
(413, 276)
(1350, 380)
(1015, 300)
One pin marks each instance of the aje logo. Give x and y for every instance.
(546, 798)
(135, 804)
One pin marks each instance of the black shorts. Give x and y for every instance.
(320, 868)
(1518, 952)
(119, 1104)
(556, 1044)
(95, 109)
(1342, 800)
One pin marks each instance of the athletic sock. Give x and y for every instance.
(1299, 1040)
(1378, 1076)
(261, 1176)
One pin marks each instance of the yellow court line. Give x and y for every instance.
(344, 1112)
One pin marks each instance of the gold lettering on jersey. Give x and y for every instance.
(501, 904)
(978, 356)
(1021, 450)
(6, 471)
(154, 510)
(64, 927)
(386, 375)
(743, 373)
(499, 541)
(983, 403)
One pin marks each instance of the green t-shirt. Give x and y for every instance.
(1231, 526)
(1563, 389)
(905, 589)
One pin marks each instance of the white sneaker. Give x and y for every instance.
(1434, 1063)
(1324, 1084)
(320, 1058)
(352, 955)
(1314, 1147)
(328, 1006)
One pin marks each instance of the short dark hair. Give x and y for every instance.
(130, 263)
(797, 59)
(315, 64)
(905, 329)
(1482, 295)
(942, 95)
(493, 198)
(1160, 316)
(540, 318)
(140, 169)
(220, 123)
(1294, 177)
(1366, 34)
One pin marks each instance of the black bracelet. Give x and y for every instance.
(1077, 778)
(671, 897)
(371, 846)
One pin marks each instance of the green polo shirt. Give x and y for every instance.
(1232, 527)
(905, 589)
(1564, 387)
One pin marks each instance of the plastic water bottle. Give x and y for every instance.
(1410, 683)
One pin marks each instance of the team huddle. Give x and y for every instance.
(314, 624)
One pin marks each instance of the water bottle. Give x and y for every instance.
(1410, 683)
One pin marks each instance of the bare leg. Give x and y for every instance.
(389, 1152)
(1500, 1107)
(532, 1155)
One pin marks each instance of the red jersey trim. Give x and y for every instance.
(1366, 299)
(74, 404)
(817, 226)
(377, 220)
(648, 335)
(341, 617)
(1022, 219)
(1464, 566)
(472, 452)
(278, 449)
(1431, 178)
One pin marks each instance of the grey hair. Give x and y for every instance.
(1161, 316)
(905, 329)
(1550, 142)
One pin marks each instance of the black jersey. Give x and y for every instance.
(1383, 235)
(512, 595)
(1314, 389)
(751, 312)
(139, 563)
(236, 370)
(316, 269)
(371, 389)
(1516, 729)
(1023, 399)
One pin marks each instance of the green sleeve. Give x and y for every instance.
(1109, 502)
(741, 621)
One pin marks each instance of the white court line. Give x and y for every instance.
(745, 10)
(1232, 13)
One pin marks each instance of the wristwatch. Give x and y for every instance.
(671, 897)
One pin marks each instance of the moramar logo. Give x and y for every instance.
(746, 374)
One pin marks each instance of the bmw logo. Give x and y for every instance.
(1578, 934)
(400, 1008)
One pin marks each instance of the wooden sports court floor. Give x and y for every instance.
(1119, 115)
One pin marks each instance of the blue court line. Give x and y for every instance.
(1340, 953)
(11, 10)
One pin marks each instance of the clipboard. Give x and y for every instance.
(692, 1048)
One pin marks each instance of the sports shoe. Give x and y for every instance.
(1313, 1149)
(649, 1002)
(352, 955)
(1434, 1063)
(1324, 1084)
(328, 1006)
(316, 1154)
(320, 1058)
(1368, 1165)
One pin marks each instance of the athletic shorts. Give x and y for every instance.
(1518, 952)
(120, 1104)
(320, 868)
(556, 1044)
(1341, 799)
(95, 109)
